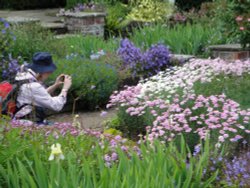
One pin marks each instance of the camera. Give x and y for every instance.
(62, 78)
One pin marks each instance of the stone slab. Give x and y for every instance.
(84, 14)
(226, 47)
(51, 25)
(21, 20)
(181, 57)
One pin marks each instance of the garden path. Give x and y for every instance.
(47, 17)
(91, 120)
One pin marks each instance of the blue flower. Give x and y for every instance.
(6, 25)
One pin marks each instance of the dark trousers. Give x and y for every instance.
(37, 115)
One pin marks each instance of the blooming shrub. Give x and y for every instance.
(170, 101)
(148, 63)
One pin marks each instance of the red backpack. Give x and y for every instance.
(8, 96)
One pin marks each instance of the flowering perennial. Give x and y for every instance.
(147, 63)
(171, 100)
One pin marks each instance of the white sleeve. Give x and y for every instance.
(42, 98)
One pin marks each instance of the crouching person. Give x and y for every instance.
(33, 98)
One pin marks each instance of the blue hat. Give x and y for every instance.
(42, 62)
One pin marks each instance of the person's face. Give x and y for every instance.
(45, 76)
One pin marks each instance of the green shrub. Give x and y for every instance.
(32, 38)
(182, 39)
(93, 82)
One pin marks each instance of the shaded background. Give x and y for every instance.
(38, 4)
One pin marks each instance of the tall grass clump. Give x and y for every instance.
(182, 39)
(32, 38)
(88, 45)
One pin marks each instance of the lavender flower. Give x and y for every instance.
(9, 68)
(197, 149)
(147, 63)
(156, 57)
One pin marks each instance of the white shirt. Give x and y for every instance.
(36, 94)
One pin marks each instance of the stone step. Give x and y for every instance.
(56, 27)
(62, 36)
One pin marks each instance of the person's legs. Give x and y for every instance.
(38, 116)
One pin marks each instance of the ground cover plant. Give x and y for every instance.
(170, 104)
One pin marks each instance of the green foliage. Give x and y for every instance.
(33, 38)
(226, 14)
(84, 165)
(93, 82)
(132, 126)
(234, 87)
(150, 11)
(182, 39)
(116, 15)
(6, 37)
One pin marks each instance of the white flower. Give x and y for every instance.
(56, 152)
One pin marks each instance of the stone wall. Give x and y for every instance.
(230, 52)
(85, 23)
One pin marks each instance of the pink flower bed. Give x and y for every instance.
(176, 113)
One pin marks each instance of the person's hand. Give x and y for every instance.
(67, 82)
(59, 80)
